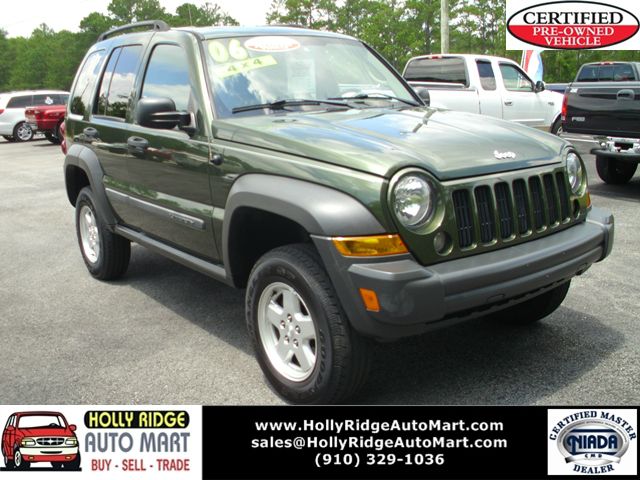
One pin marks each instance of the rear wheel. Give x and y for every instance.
(22, 132)
(105, 253)
(614, 171)
(302, 338)
(535, 309)
(556, 128)
(8, 461)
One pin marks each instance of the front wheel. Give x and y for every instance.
(52, 138)
(302, 338)
(19, 462)
(8, 461)
(614, 171)
(535, 309)
(22, 132)
(105, 253)
(73, 464)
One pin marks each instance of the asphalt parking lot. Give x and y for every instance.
(165, 334)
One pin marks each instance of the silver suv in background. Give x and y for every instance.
(13, 124)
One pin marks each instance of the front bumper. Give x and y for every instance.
(49, 454)
(414, 298)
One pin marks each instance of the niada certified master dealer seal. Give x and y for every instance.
(592, 441)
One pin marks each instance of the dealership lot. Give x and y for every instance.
(166, 334)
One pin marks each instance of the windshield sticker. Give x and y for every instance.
(235, 68)
(218, 51)
(272, 44)
(302, 78)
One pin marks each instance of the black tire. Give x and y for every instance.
(614, 171)
(9, 138)
(8, 461)
(114, 253)
(18, 462)
(56, 465)
(342, 355)
(22, 138)
(52, 138)
(556, 128)
(535, 309)
(74, 464)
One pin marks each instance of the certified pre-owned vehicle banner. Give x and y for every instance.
(112, 442)
(571, 25)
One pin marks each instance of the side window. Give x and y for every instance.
(117, 82)
(21, 101)
(81, 97)
(168, 76)
(514, 79)
(487, 77)
(8, 422)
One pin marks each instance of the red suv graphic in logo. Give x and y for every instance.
(31, 437)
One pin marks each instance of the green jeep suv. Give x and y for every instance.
(299, 165)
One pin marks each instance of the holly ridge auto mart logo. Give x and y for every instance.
(573, 25)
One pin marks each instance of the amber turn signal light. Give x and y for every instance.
(370, 246)
(370, 300)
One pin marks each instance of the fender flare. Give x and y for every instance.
(85, 159)
(318, 209)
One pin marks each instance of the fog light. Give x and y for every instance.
(370, 300)
(442, 243)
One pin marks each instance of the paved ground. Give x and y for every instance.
(165, 334)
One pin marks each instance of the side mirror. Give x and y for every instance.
(72, 428)
(161, 113)
(423, 93)
(540, 86)
(10, 428)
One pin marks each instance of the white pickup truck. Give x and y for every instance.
(486, 85)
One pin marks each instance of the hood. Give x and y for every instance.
(47, 432)
(449, 144)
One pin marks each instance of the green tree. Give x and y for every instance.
(129, 11)
(207, 14)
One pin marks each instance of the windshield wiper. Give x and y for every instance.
(364, 96)
(281, 104)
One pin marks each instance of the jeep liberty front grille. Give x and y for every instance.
(520, 207)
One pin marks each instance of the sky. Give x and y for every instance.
(66, 14)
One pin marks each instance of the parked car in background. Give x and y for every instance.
(486, 85)
(47, 119)
(604, 102)
(13, 123)
(31, 437)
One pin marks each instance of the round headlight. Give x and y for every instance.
(574, 171)
(413, 200)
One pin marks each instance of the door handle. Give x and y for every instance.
(137, 146)
(508, 103)
(626, 94)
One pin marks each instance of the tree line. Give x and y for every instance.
(398, 29)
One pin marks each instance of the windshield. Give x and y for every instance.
(247, 71)
(40, 421)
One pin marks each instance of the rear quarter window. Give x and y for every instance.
(20, 101)
(442, 70)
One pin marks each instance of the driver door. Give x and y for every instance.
(520, 102)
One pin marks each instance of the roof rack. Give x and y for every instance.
(157, 25)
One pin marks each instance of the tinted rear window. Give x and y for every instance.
(619, 72)
(20, 101)
(118, 80)
(86, 82)
(444, 70)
